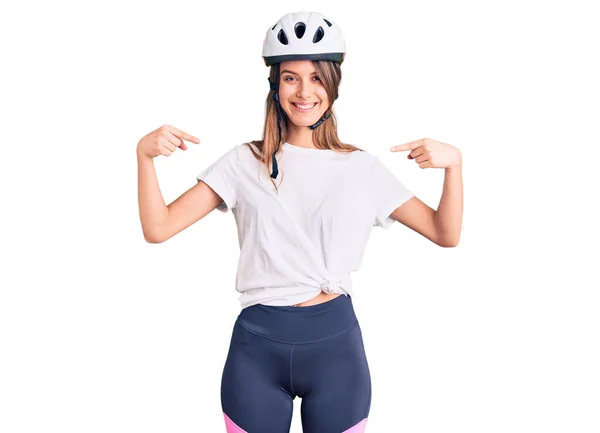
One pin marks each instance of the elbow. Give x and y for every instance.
(152, 238)
(449, 243)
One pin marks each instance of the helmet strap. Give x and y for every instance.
(323, 119)
(274, 87)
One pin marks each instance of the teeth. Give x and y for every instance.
(304, 107)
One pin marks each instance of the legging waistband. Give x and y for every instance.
(300, 324)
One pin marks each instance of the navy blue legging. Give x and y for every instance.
(278, 353)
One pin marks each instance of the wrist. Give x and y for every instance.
(457, 164)
(141, 156)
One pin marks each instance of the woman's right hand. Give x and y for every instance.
(163, 141)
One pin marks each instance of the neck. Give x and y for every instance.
(300, 136)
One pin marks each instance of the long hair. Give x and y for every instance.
(324, 136)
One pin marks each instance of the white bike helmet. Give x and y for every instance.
(301, 36)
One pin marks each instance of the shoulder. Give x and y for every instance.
(375, 159)
(248, 148)
(237, 152)
(367, 159)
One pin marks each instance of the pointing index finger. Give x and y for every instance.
(184, 135)
(408, 146)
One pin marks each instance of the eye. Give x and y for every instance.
(289, 76)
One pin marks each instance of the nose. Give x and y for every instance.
(305, 90)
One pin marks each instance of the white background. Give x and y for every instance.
(103, 332)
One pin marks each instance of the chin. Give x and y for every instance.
(308, 122)
(305, 121)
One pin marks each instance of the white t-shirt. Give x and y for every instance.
(311, 235)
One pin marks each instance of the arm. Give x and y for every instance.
(152, 208)
(161, 222)
(189, 208)
(443, 226)
(448, 218)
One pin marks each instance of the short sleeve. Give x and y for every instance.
(389, 193)
(222, 177)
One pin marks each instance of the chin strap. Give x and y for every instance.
(323, 119)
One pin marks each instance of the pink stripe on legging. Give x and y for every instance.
(231, 427)
(358, 428)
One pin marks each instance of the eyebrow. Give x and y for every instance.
(292, 72)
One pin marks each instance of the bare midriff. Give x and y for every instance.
(319, 299)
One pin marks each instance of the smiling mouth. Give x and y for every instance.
(304, 107)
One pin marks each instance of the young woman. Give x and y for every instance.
(305, 204)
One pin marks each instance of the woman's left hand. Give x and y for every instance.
(429, 153)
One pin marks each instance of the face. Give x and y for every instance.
(301, 87)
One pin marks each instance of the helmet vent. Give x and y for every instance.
(318, 35)
(282, 37)
(299, 29)
(328, 23)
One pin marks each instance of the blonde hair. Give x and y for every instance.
(324, 136)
